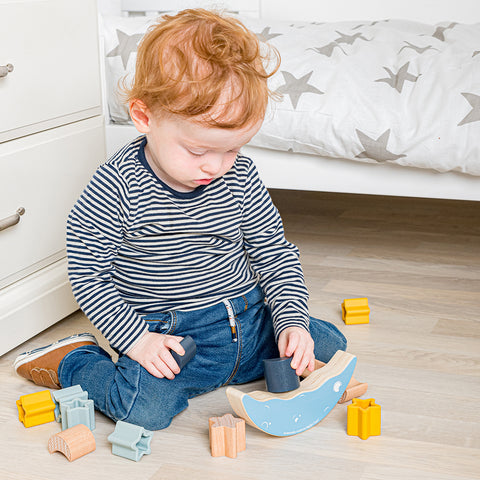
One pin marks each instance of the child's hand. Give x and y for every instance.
(152, 352)
(298, 342)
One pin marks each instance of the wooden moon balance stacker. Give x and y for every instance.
(283, 414)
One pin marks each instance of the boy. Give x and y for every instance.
(176, 235)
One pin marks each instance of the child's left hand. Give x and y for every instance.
(297, 343)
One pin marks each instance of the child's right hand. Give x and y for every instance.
(152, 352)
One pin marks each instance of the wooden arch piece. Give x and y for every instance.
(73, 442)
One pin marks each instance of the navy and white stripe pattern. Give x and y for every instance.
(135, 246)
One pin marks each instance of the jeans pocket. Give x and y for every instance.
(160, 322)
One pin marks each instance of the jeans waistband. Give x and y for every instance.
(238, 304)
(243, 302)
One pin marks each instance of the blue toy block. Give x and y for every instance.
(130, 441)
(65, 395)
(77, 411)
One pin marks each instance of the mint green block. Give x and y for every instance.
(65, 395)
(130, 441)
(77, 411)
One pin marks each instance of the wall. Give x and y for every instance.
(428, 11)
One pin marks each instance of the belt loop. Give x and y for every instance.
(231, 320)
(246, 302)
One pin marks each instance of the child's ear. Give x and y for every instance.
(140, 115)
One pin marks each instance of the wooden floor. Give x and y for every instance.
(418, 262)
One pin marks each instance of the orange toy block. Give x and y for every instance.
(73, 442)
(36, 408)
(355, 311)
(227, 435)
(363, 418)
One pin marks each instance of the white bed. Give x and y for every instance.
(365, 141)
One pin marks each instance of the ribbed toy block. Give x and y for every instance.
(66, 395)
(363, 418)
(130, 441)
(355, 311)
(36, 408)
(77, 411)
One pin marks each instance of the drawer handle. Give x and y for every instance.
(12, 219)
(6, 69)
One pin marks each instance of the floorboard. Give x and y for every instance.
(418, 262)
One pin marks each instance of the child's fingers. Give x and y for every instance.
(303, 356)
(298, 344)
(166, 358)
(300, 361)
(282, 345)
(153, 370)
(173, 343)
(292, 345)
(311, 365)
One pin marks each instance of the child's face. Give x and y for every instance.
(185, 154)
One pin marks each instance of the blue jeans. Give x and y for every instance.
(126, 391)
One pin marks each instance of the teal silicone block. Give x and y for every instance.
(65, 395)
(130, 441)
(77, 411)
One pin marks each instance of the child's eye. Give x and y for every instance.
(197, 154)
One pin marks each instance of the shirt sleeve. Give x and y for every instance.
(94, 234)
(274, 259)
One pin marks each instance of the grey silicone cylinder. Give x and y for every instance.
(279, 375)
(190, 350)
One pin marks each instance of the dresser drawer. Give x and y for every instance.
(53, 47)
(44, 173)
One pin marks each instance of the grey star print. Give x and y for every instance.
(328, 49)
(127, 44)
(265, 35)
(296, 87)
(474, 114)
(349, 39)
(370, 24)
(440, 31)
(397, 80)
(376, 149)
(417, 49)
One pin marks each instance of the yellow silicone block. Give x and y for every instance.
(36, 408)
(363, 418)
(355, 311)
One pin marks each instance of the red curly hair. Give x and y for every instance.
(202, 65)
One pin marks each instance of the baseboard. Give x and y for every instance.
(34, 303)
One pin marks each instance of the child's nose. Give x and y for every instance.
(213, 164)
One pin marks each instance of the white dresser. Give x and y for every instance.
(51, 140)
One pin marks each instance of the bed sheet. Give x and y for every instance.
(390, 91)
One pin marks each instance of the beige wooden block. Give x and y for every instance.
(227, 435)
(73, 442)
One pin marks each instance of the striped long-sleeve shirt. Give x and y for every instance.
(136, 246)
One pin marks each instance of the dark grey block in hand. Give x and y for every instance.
(279, 375)
(190, 350)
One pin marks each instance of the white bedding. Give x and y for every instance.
(392, 91)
